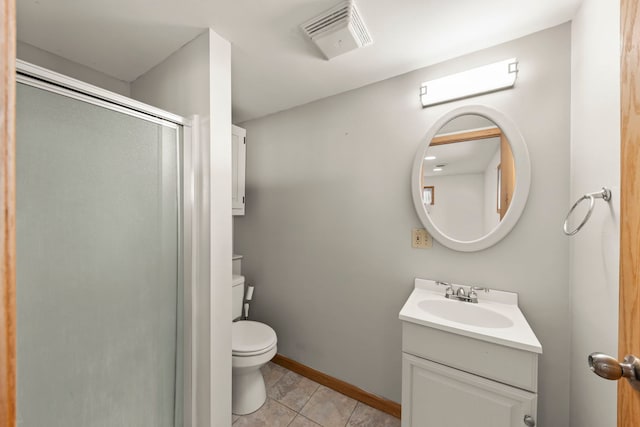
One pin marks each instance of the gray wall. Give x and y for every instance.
(327, 242)
(45, 59)
(595, 162)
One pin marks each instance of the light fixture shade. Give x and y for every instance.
(488, 78)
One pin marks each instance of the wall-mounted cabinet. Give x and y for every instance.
(239, 161)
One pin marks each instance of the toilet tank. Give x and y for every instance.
(236, 263)
(237, 296)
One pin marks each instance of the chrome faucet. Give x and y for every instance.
(461, 294)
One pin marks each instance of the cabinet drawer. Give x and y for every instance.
(507, 365)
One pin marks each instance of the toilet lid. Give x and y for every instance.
(249, 337)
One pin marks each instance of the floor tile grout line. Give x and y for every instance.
(309, 419)
(293, 419)
(284, 404)
(308, 400)
(286, 407)
(298, 414)
(281, 376)
(352, 411)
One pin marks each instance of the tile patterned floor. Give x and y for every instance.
(296, 401)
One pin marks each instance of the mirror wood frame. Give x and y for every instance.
(520, 194)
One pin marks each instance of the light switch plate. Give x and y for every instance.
(420, 239)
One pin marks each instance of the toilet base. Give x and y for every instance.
(249, 392)
(248, 389)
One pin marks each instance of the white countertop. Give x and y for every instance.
(519, 335)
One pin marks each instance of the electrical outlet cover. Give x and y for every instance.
(420, 239)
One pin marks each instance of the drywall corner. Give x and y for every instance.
(221, 223)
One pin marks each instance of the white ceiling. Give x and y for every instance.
(469, 157)
(274, 66)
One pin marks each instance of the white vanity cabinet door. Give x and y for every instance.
(238, 157)
(435, 395)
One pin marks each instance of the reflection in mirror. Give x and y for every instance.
(476, 161)
(469, 162)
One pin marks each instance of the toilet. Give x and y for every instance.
(253, 344)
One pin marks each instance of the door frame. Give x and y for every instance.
(7, 215)
(629, 302)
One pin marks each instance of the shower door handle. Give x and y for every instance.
(609, 368)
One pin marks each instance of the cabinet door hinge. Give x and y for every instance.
(243, 200)
(244, 140)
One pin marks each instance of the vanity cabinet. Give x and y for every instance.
(239, 161)
(441, 396)
(450, 380)
(466, 364)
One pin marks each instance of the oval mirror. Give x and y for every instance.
(471, 177)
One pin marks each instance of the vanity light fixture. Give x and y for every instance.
(437, 169)
(430, 158)
(485, 79)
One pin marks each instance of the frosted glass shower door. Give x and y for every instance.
(99, 289)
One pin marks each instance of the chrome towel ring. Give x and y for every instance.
(604, 194)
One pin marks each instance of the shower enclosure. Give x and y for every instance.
(103, 258)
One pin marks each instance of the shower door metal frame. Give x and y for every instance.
(51, 81)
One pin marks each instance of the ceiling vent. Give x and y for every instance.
(338, 30)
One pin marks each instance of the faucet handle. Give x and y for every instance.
(449, 290)
(473, 296)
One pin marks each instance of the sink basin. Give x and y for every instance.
(465, 313)
(496, 318)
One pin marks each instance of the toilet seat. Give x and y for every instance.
(249, 338)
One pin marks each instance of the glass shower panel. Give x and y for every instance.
(99, 287)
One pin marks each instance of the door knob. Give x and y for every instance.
(609, 368)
